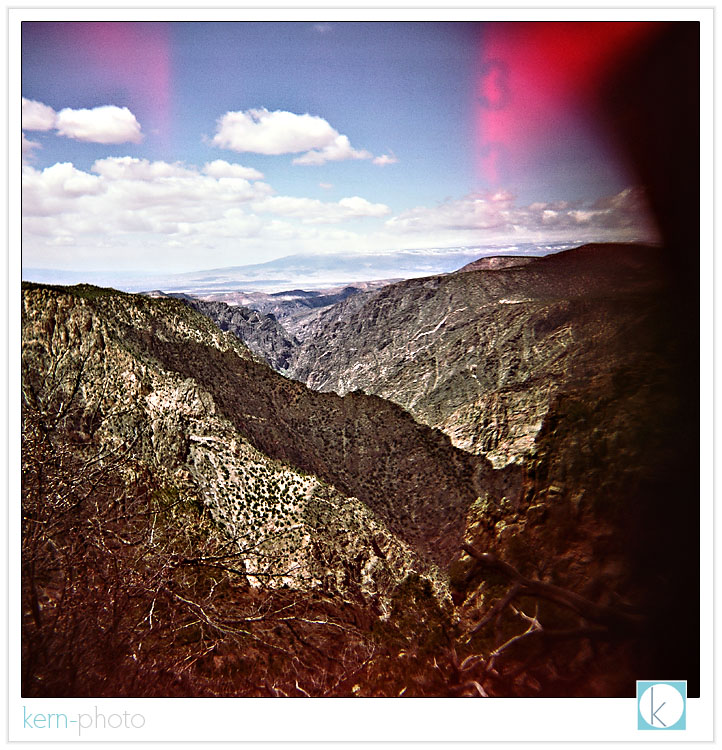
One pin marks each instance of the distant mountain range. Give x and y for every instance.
(294, 309)
(304, 271)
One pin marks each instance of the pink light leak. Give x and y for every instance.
(134, 57)
(535, 77)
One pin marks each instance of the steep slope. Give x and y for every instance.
(260, 332)
(82, 369)
(196, 402)
(236, 533)
(408, 474)
(572, 366)
(157, 536)
(482, 354)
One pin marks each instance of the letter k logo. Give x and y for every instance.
(661, 705)
(659, 708)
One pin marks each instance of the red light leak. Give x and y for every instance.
(132, 56)
(537, 78)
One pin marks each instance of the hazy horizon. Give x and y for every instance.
(294, 271)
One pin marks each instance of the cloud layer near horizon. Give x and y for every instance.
(143, 213)
(125, 202)
(623, 213)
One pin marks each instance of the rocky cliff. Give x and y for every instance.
(186, 505)
(571, 367)
(260, 332)
(164, 463)
(482, 354)
(213, 423)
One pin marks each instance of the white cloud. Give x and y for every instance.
(312, 211)
(28, 147)
(126, 212)
(106, 124)
(339, 150)
(131, 168)
(273, 133)
(220, 168)
(262, 132)
(473, 212)
(322, 28)
(361, 207)
(622, 217)
(129, 194)
(56, 190)
(325, 185)
(137, 211)
(62, 179)
(37, 116)
(385, 159)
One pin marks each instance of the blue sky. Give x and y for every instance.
(183, 146)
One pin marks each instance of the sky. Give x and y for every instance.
(176, 147)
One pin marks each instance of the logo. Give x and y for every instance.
(661, 705)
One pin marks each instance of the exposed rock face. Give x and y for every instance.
(568, 366)
(482, 354)
(351, 515)
(294, 309)
(408, 474)
(261, 333)
(204, 415)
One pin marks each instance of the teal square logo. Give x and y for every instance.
(661, 704)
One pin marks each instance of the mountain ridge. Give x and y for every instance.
(305, 269)
(446, 322)
(338, 536)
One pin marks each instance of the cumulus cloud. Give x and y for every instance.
(262, 132)
(132, 168)
(37, 116)
(385, 159)
(107, 124)
(28, 148)
(312, 211)
(56, 189)
(129, 194)
(220, 168)
(273, 133)
(339, 150)
(621, 217)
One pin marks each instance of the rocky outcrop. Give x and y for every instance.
(92, 357)
(339, 524)
(260, 332)
(482, 354)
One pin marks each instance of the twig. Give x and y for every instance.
(612, 618)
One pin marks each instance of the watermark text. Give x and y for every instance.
(83, 721)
